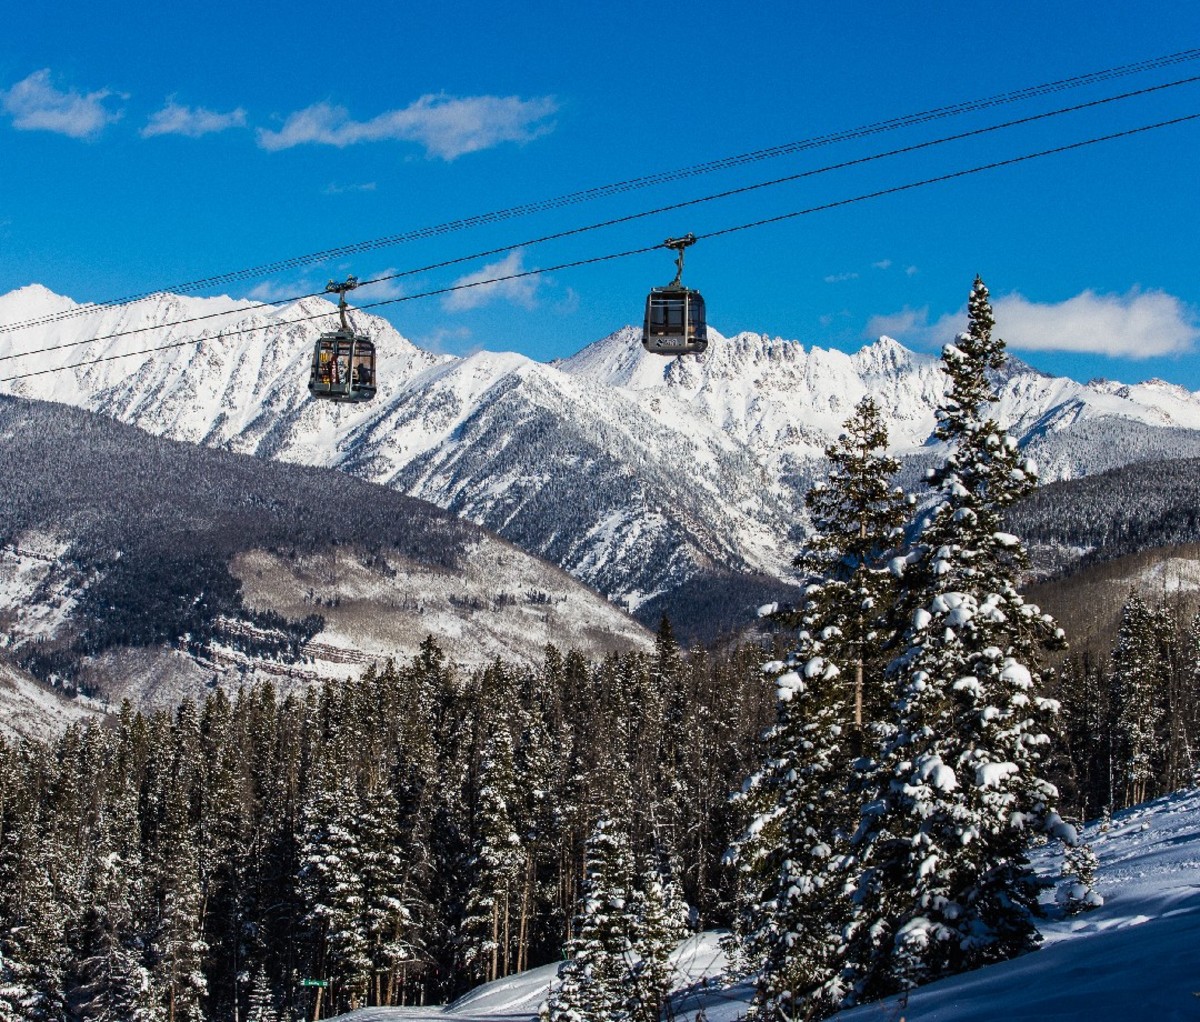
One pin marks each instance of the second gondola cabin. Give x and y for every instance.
(674, 323)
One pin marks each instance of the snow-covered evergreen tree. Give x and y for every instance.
(946, 884)
(593, 981)
(856, 515)
(331, 885)
(262, 999)
(112, 984)
(661, 923)
(499, 859)
(33, 949)
(1139, 678)
(175, 942)
(795, 856)
(1077, 889)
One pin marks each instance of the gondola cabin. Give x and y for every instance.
(674, 322)
(343, 367)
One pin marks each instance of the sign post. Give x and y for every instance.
(320, 984)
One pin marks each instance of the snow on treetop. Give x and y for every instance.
(1016, 674)
(931, 769)
(820, 667)
(788, 685)
(992, 775)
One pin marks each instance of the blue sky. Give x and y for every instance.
(192, 139)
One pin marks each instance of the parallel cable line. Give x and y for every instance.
(895, 189)
(628, 218)
(633, 184)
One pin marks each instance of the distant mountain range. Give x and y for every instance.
(666, 485)
(133, 565)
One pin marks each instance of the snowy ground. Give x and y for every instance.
(1137, 957)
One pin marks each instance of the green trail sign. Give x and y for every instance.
(314, 982)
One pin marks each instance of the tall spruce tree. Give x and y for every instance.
(32, 911)
(795, 856)
(661, 923)
(856, 516)
(945, 880)
(498, 861)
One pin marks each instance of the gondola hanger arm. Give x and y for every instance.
(679, 244)
(333, 287)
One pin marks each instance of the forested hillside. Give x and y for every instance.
(1136, 507)
(112, 541)
(406, 835)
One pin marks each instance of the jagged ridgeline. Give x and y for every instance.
(151, 527)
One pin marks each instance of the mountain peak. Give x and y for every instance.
(618, 360)
(31, 302)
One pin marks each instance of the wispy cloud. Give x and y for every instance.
(193, 122)
(282, 290)
(474, 292)
(447, 126)
(883, 264)
(333, 188)
(568, 304)
(840, 278)
(34, 104)
(909, 325)
(1138, 324)
(448, 341)
(384, 290)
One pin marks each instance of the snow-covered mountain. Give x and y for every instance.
(661, 483)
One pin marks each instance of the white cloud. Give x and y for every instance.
(34, 104)
(568, 304)
(908, 325)
(448, 341)
(840, 278)
(475, 293)
(1138, 324)
(883, 264)
(912, 271)
(176, 119)
(447, 126)
(384, 290)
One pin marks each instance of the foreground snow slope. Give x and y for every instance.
(1137, 957)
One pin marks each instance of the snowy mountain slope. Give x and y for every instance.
(647, 479)
(29, 709)
(1136, 957)
(143, 567)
